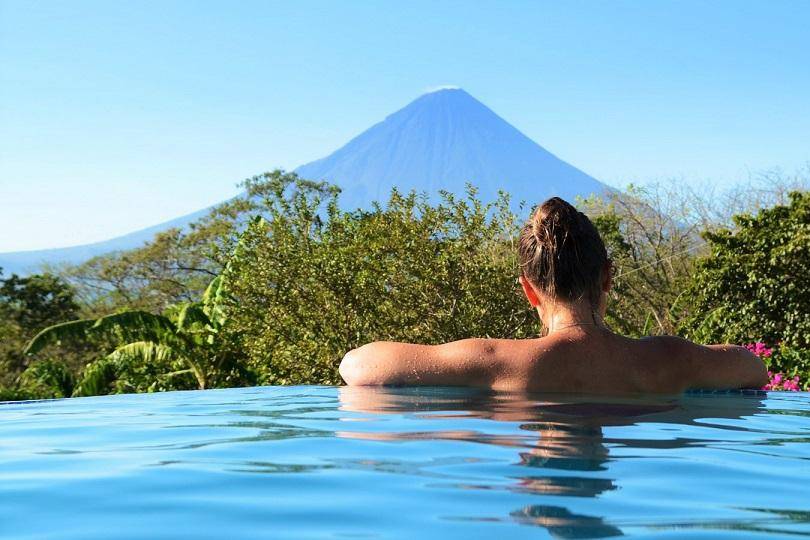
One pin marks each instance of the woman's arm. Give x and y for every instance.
(715, 366)
(469, 362)
(728, 366)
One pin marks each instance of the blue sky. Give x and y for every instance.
(119, 115)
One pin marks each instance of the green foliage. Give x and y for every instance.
(14, 393)
(180, 350)
(275, 286)
(98, 379)
(124, 326)
(651, 235)
(756, 282)
(311, 282)
(36, 301)
(47, 379)
(175, 267)
(792, 362)
(27, 304)
(136, 367)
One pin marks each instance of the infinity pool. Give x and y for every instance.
(322, 462)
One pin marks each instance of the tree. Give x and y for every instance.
(26, 305)
(46, 379)
(176, 266)
(36, 301)
(154, 352)
(755, 284)
(311, 281)
(299, 282)
(652, 235)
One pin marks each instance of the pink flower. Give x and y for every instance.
(778, 381)
(791, 385)
(760, 349)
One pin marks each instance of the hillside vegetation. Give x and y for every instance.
(274, 287)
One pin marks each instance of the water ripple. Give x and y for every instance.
(320, 462)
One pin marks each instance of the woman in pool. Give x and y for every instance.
(566, 275)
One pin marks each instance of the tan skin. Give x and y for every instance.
(578, 354)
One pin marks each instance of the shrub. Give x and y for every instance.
(312, 282)
(756, 281)
(46, 379)
(786, 366)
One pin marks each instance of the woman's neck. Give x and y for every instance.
(560, 316)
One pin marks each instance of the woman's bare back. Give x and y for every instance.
(586, 360)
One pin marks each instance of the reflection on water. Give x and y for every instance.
(322, 462)
(563, 524)
(565, 435)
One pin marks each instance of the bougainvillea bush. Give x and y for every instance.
(788, 368)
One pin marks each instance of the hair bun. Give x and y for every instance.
(562, 253)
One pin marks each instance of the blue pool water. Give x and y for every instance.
(322, 462)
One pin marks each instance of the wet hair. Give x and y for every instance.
(562, 254)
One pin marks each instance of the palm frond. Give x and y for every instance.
(66, 331)
(217, 294)
(96, 379)
(192, 317)
(214, 300)
(143, 352)
(147, 352)
(213, 291)
(134, 325)
(125, 327)
(99, 376)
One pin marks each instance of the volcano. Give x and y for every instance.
(444, 140)
(440, 141)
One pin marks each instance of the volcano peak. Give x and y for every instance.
(445, 139)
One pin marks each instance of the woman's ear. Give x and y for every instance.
(528, 290)
(607, 276)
